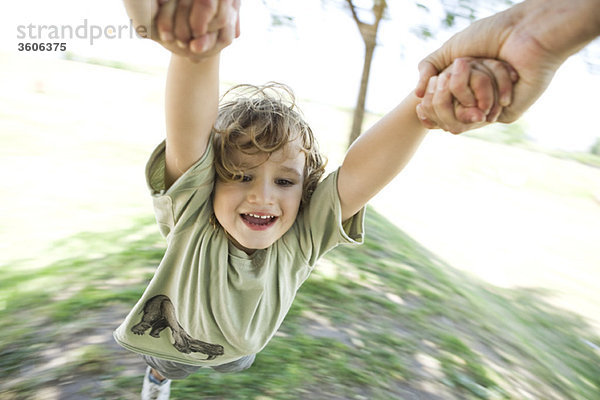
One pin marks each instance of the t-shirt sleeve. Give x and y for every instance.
(319, 227)
(188, 200)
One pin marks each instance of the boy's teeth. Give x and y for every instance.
(260, 216)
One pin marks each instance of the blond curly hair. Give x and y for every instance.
(263, 119)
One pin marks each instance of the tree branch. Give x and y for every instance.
(354, 14)
(368, 31)
(378, 9)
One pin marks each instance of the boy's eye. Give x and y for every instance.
(284, 182)
(246, 178)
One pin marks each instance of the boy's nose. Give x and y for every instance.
(260, 193)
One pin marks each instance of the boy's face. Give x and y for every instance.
(263, 206)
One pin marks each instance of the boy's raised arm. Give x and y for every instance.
(382, 152)
(195, 33)
(378, 155)
(191, 105)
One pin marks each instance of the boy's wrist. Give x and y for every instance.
(200, 62)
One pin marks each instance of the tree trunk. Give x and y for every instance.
(359, 110)
(369, 35)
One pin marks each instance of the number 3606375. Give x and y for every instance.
(41, 46)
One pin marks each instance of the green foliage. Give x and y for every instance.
(449, 20)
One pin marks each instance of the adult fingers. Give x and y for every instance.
(230, 28)
(426, 71)
(215, 41)
(453, 116)
(459, 82)
(494, 113)
(468, 117)
(226, 23)
(500, 80)
(427, 123)
(438, 61)
(222, 16)
(483, 86)
(204, 43)
(165, 19)
(182, 30)
(481, 39)
(202, 13)
(505, 76)
(443, 104)
(425, 110)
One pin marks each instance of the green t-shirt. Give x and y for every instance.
(209, 302)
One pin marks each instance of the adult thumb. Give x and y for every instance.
(426, 71)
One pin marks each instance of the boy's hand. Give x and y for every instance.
(197, 28)
(471, 89)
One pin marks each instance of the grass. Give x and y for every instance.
(383, 320)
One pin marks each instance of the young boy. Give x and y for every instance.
(238, 196)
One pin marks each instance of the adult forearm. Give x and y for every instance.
(562, 27)
(534, 32)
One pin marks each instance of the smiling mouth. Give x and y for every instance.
(258, 222)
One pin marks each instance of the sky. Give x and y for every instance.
(320, 57)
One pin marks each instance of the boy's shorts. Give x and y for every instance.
(175, 370)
